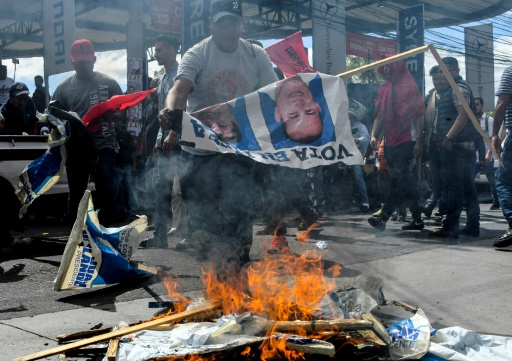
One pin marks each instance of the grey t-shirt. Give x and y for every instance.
(80, 95)
(218, 77)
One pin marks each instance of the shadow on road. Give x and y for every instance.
(104, 298)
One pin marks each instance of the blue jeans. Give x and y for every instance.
(457, 171)
(491, 178)
(125, 177)
(361, 194)
(504, 180)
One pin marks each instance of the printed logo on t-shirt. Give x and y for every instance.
(227, 85)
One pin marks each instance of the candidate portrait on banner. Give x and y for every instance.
(296, 113)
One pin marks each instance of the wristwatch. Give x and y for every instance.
(447, 138)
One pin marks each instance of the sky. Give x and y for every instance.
(114, 64)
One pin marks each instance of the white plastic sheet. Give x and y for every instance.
(459, 344)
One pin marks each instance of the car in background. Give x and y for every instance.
(16, 152)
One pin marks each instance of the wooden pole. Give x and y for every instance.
(119, 333)
(382, 62)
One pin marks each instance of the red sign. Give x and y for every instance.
(369, 46)
(166, 15)
(290, 56)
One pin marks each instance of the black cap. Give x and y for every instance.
(18, 89)
(221, 8)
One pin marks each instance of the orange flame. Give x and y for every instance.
(303, 237)
(284, 288)
(287, 288)
(246, 352)
(180, 301)
(191, 357)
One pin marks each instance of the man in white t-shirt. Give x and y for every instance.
(217, 187)
(5, 84)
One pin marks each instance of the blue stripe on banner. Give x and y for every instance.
(43, 169)
(114, 268)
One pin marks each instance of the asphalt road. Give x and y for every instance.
(369, 260)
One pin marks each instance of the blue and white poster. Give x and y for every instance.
(97, 256)
(298, 122)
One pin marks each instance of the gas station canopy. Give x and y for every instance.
(104, 22)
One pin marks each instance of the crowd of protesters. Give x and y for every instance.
(201, 197)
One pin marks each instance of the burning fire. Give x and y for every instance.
(303, 237)
(181, 302)
(285, 288)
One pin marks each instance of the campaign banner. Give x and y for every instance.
(97, 256)
(298, 122)
(411, 35)
(44, 172)
(58, 35)
(290, 56)
(369, 47)
(480, 62)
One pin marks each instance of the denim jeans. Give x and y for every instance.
(504, 180)
(491, 178)
(457, 171)
(104, 182)
(361, 194)
(403, 183)
(125, 177)
(167, 166)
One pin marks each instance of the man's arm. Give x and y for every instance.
(177, 96)
(499, 117)
(176, 99)
(376, 131)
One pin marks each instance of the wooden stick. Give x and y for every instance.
(118, 333)
(382, 62)
(405, 306)
(378, 328)
(113, 346)
(263, 327)
(465, 105)
(153, 270)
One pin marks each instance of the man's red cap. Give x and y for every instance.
(82, 50)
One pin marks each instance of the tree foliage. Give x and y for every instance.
(366, 77)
